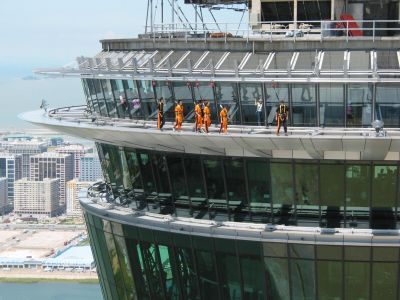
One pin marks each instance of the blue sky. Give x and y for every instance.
(46, 33)
(37, 33)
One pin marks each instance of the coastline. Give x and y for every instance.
(36, 276)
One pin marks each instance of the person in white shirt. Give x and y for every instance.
(259, 108)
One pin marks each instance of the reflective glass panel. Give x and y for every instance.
(215, 184)
(330, 280)
(195, 182)
(109, 98)
(304, 105)
(226, 94)
(359, 104)
(120, 98)
(388, 104)
(177, 174)
(357, 195)
(383, 202)
(164, 89)
(205, 91)
(187, 273)
(253, 277)
(306, 196)
(277, 278)
(250, 94)
(207, 274)
(258, 176)
(132, 97)
(183, 91)
(168, 272)
(384, 281)
(147, 102)
(275, 93)
(282, 192)
(237, 196)
(332, 194)
(356, 280)
(100, 97)
(302, 279)
(331, 109)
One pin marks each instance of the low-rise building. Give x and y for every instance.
(73, 187)
(37, 198)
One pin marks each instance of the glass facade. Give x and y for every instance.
(140, 263)
(324, 104)
(325, 193)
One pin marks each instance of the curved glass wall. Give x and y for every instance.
(140, 263)
(324, 104)
(325, 193)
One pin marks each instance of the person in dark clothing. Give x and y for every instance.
(282, 114)
(160, 114)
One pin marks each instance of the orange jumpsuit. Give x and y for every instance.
(178, 116)
(224, 120)
(160, 115)
(198, 117)
(207, 117)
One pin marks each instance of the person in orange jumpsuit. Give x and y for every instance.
(282, 115)
(160, 114)
(207, 116)
(198, 116)
(178, 116)
(223, 115)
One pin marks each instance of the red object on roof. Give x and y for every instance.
(354, 29)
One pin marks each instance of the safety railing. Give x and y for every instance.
(346, 29)
(84, 115)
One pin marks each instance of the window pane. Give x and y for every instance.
(385, 253)
(332, 195)
(304, 105)
(175, 168)
(207, 275)
(120, 98)
(147, 101)
(330, 280)
(357, 195)
(359, 105)
(227, 94)
(384, 281)
(303, 279)
(100, 97)
(111, 107)
(183, 91)
(331, 98)
(250, 93)
(301, 251)
(282, 192)
(258, 176)
(387, 104)
(329, 252)
(187, 273)
(132, 96)
(277, 278)
(275, 93)
(357, 253)
(134, 169)
(215, 184)
(229, 275)
(356, 278)
(168, 273)
(204, 91)
(384, 186)
(307, 193)
(235, 181)
(253, 279)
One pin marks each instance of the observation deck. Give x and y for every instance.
(241, 141)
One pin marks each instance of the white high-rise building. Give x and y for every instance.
(53, 165)
(37, 198)
(73, 188)
(26, 149)
(11, 168)
(78, 151)
(3, 194)
(90, 168)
